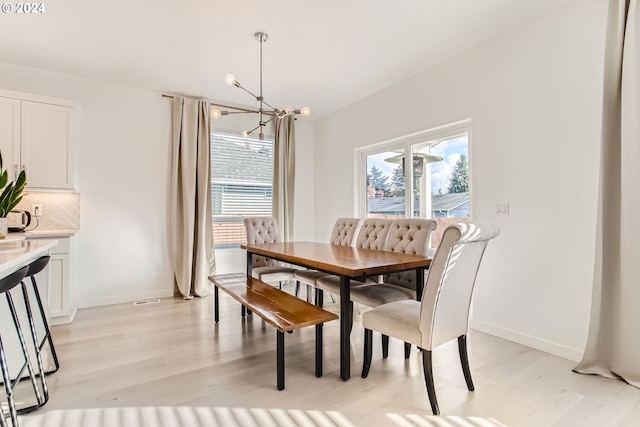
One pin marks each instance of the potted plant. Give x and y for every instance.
(10, 197)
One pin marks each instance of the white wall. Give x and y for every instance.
(123, 166)
(533, 97)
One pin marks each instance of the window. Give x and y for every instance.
(241, 184)
(438, 176)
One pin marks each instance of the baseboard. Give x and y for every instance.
(124, 298)
(528, 340)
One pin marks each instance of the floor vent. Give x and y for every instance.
(147, 301)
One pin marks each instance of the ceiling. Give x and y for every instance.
(325, 54)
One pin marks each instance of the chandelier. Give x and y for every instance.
(265, 110)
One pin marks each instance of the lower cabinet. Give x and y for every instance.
(56, 283)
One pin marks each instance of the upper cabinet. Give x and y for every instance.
(36, 135)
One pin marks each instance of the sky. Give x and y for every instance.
(449, 150)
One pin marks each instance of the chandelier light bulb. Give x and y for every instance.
(215, 113)
(305, 111)
(245, 134)
(229, 79)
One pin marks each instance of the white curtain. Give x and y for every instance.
(613, 347)
(284, 172)
(190, 219)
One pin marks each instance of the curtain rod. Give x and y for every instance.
(164, 95)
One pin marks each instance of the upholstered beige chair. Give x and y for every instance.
(409, 236)
(264, 229)
(372, 235)
(443, 313)
(344, 233)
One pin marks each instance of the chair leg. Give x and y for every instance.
(309, 288)
(464, 360)
(297, 288)
(368, 350)
(385, 346)
(428, 379)
(407, 350)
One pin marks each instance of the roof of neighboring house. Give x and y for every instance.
(449, 201)
(241, 161)
(439, 202)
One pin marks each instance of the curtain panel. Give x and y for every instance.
(613, 346)
(190, 198)
(284, 171)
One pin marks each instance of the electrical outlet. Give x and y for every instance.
(37, 209)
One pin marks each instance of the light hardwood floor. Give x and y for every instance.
(169, 364)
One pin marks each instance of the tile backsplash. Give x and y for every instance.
(60, 210)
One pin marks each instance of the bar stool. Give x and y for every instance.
(34, 268)
(6, 284)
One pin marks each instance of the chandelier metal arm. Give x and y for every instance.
(273, 113)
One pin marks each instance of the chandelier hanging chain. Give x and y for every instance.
(274, 112)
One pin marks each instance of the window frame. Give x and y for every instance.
(448, 131)
(236, 136)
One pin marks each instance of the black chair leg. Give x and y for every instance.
(407, 350)
(464, 360)
(385, 346)
(368, 350)
(428, 379)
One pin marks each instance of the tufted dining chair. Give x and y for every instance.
(443, 313)
(264, 229)
(372, 235)
(344, 233)
(408, 236)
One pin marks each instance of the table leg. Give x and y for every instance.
(216, 307)
(345, 328)
(249, 270)
(249, 263)
(420, 282)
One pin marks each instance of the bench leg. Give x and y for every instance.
(319, 350)
(280, 359)
(216, 308)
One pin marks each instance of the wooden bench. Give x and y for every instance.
(283, 311)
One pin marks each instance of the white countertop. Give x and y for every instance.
(44, 233)
(15, 254)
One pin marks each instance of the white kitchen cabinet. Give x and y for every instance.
(61, 295)
(37, 136)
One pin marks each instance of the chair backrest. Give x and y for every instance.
(261, 229)
(373, 233)
(408, 236)
(345, 231)
(447, 294)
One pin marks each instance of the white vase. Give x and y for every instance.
(3, 228)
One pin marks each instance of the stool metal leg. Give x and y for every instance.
(36, 345)
(27, 364)
(47, 332)
(6, 379)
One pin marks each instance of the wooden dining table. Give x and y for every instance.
(346, 262)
